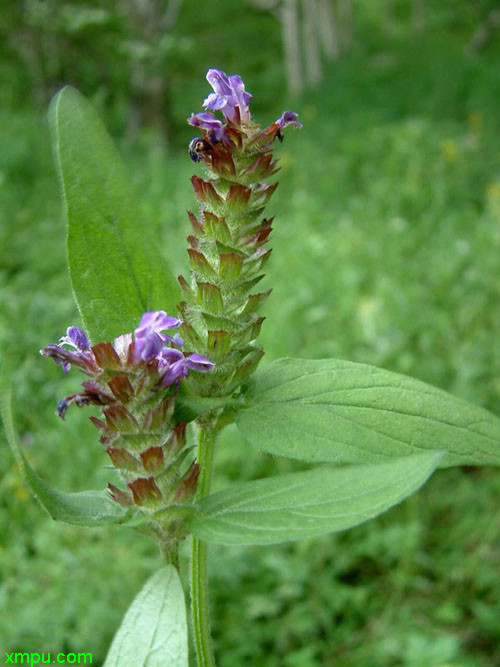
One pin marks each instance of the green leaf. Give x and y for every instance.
(116, 268)
(307, 504)
(87, 508)
(153, 632)
(341, 411)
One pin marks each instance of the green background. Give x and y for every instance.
(386, 248)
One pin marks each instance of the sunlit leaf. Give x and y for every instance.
(116, 267)
(306, 504)
(86, 508)
(153, 632)
(341, 411)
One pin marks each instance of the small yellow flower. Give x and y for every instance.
(475, 122)
(21, 493)
(493, 191)
(449, 151)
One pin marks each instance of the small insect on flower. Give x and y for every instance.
(198, 148)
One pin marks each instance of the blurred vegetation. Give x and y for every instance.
(385, 251)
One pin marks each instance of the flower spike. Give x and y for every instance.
(227, 253)
(135, 381)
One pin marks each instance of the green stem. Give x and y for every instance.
(199, 585)
(170, 553)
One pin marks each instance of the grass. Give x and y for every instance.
(385, 251)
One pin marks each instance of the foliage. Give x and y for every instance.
(309, 503)
(340, 411)
(159, 604)
(104, 225)
(421, 187)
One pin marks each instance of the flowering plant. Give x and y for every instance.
(195, 371)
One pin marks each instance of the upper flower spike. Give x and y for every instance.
(227, 250)
(229, 93)
(220, 137)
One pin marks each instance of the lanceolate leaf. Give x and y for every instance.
(87, 508)
(116, 268)
(153, 632)
(340, 411)
(306, 504)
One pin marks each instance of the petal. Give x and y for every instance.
(203, 117)
(66, 358)
(176, 340)
(208, 122)
(229, 93)
(148, 346)
(176, 371)
(288, 118)
(157, 320)
(77, 338)
(219, 81)
(215, 101)
(242, 98)
(148, 339)
(121, 345)
(168, 356)
(198, 363)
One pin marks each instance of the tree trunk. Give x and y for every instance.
(150, 20)
(388, 18)
(291, 46)
(311, 41)
(327, 30)
(345, 17)
(485, 31)
(417, 16)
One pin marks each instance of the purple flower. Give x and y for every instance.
(288, 118)
(148, 337)
(176, 340)
(229, 93)
(174, 372)
(77, 338)
(198, 363)
(168, 356)
(150, 344)
(208, 122)
(82, 356)
(173, 365)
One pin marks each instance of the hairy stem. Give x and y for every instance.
(199, 585)
(170, 553)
